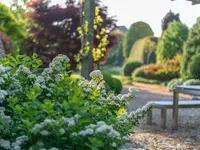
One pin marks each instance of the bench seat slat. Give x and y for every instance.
(181, 104)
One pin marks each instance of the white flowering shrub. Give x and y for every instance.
(52, 111)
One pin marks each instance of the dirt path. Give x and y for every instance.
(153, 137)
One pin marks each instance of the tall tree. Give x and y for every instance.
(87, 62)
(172, 41)
(11, 26)
(54, 29)
(169, 17)
(136, 31)
(191, 49)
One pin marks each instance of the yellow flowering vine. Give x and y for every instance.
(99, 51)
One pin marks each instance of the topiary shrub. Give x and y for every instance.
(117, 85)
(162, 72)
(139, 72)
(112, 84)
(129, 67)
(51, 110)
(192, 82)
(191, 49)
(194, 67)
(173, 83)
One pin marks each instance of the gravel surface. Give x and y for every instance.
(153, 137)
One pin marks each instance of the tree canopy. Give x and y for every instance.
(10, 25)
(54, 29)
(172, 41)
(191, 49)
(169, 17)
(136, 31)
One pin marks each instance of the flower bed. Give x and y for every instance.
(53, 111)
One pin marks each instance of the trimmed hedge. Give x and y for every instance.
(193, 67)
(112, 84)
(130, 66)
(144, 80)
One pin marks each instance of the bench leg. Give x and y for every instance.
(163, 118)
(149, 117)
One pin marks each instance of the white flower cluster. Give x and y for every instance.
(139, 113)
(39, 127)
(100, 128)
(96, 74)
(3, 117)
(69, 121)
(57, 63)
(24, 70)
(15, 145)
(2, 69)
(3, 94)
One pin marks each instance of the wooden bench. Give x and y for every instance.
(164, 105)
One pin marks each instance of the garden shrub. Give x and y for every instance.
(173, 83)
(171, 41)
(129, 67)
(194, 67)
(137, 31)
(51, 110)
(144, 80)
(139, 72)
(163, 72)
(112, 84)
(192, 82)
(191, 49)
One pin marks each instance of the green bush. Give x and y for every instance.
(194, 67)
(117, 85)
(137, 31)
(144, 80)
(139, 72)
(112, 84)
(192, 82)
(129, 67)
(172, 41)
(51, 110)
(173, 83)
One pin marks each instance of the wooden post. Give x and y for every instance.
(87, 62)
(175, 111)
(163, 117)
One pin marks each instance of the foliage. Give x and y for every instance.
(163, 72)
(54, 30)
(129, 67)
(10, 25)
(143, 50)
(172, 41)
(112, 70)
(191, 49)
(169, 17)
(144, 80)
(136, 31)
(192, 82)
(193, 67)
(112, 84)
(173, 83)
(51, 110)
(115, 55)
(139, 72)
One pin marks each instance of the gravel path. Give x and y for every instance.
(153, 137)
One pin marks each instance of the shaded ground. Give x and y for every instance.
(153, 137)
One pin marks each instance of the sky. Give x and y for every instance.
(149, 11)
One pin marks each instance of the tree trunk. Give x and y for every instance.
(87, 62)
(2, 49)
